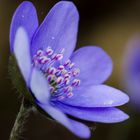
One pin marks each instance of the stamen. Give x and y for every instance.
(71, 65)
(66, 81)
(50, 78)
(58, 56)
(67, 76)
(70, 94)
(59, 80)
(39, 53)
(64, 71)
(67, 63)
(49, 51)
(61, 67)
(44, 59)
(51, 70)
(75, 72)
(60, 76)
(52, 89)
(58, 73)
(76, 82)
(68, 89)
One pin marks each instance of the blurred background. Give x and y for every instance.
(106, 23)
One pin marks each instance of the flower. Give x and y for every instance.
(64, 82)
(131, 70)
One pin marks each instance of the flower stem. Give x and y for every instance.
(22, 116)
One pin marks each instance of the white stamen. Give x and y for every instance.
(66, 81)
(44, 59)
(50, 78)
(59, 80)
(67, 63)
(76, 82)
(76, 72)
(61, 67)
(67, 76)
(70, 94)
(58, 56)
(49, 51)
(39, 53)
(60, 76)
(71, 65)
(67, 89)
(52, 89)
(51, 70)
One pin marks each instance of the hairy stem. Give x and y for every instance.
(22, 116)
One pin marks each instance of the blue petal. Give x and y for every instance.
(97, 96)
(24, 16)
(39, 86)
(58, 30)
(131, 71)
(132, 59)
(104, 115)
(23, 55)
(94, 64)
(75, 127)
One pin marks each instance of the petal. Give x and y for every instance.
(104, 115)
(97, 96)
(94, 64)
(75, 127)
(132, 60)
(131, 70)
(58, 30)
(24, 16)
(39, 86)
(22, 55)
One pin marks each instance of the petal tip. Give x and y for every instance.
(125, 98)
(121, 117)
(26, 3)
(68, 4)
(124, 118)
(25, 15)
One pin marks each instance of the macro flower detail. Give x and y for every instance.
(64, 82)
(61, 78)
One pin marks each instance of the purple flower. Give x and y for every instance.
(64, 82)
(131, 70)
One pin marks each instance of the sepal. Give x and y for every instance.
(17, 80)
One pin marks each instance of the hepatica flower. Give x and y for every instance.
(132, 70)
(64, 82)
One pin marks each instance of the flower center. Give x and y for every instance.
(61, 77)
